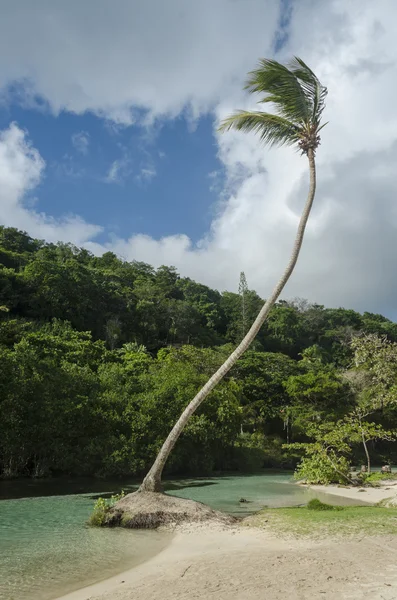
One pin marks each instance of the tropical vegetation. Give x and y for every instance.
(100, 356)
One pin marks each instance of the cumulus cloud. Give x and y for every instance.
(192, 59)
(121, 58)
(81, 141)
(21, 171)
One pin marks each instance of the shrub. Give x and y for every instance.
(102, 507)
(316, 504)
(376, 477)
(318, 469)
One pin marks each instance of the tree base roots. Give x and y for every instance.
(150, 510)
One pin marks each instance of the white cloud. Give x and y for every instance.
(81, 141)
(67, 168)
(119, 170)
(117, 59)
(215, 181)
(351, 243)
(113, 173)
(193, 58)
(21, 171)
(146, 174)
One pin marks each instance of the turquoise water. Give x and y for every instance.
(47, 550)
(225, 493)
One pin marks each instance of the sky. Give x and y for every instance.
(109, 115)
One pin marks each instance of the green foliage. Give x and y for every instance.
(263, 375)
(255, 451)
(374, 478)
(377, 356)
(231, 305)
(102, 507)
(323, 468)
(326, 456)
(170, 385)
(316, 504)
(298, 99)
(99, 356)
(316, 394)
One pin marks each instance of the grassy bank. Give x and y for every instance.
(332, 521)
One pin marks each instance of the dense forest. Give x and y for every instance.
(99, 356)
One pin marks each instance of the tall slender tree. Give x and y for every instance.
(298, 99)
(242, 290)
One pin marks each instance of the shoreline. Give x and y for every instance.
(189, 542)
(368, 495)
(208, 561)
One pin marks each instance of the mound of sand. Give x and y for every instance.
(149, 510)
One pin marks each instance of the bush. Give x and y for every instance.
(316, 504)
(376, 477)
(102, 507)
(318, 469)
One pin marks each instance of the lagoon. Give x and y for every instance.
(46, 548)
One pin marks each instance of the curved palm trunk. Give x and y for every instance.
(152, 481)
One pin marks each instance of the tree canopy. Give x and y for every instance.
(99, 356)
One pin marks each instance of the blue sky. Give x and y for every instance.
(158, 180)
(166, 178)
(81, 81)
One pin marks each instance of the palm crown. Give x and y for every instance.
(298, 98)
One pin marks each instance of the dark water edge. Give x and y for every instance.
(11, 489)
(97, 487)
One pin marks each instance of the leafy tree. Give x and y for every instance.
(121, 388)
(316, 396)
(283, 330)
(231, 307)
(377, 356)
(379, 325)
(206, 304)
(264, 398)
(113, 332)
(170, 383)
(327, 456)
(49, 417)
(20, 242)
(361, 431)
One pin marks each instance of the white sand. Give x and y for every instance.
(206, 562)
(388, 490)
(248, 564)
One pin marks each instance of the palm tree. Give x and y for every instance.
(299, 100)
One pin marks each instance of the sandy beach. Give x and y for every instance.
(386, 491)
(241, 563)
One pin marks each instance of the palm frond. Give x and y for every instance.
(315, 92)
(298, 99)
(274, 130)
(283, 88)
